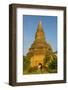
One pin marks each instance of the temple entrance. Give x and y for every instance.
(40, 66)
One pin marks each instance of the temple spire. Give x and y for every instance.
(40, 33)
(39, 28)
(40, 23)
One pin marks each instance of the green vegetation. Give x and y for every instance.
(52, 68)
(51, 63)
(26, 64)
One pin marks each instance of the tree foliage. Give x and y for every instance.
(53, 64)
(26, 62)
(50, 61)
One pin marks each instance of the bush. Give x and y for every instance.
(32, 70)
(53, 66)
(26, 62)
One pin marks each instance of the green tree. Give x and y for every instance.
(53, 65)
(26, 62)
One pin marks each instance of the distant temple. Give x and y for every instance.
(40, 49)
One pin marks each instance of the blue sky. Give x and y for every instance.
(49, 24)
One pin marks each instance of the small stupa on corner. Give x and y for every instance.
(40, 48)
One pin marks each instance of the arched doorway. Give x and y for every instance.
(40, 66)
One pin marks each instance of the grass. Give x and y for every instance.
(38, 71)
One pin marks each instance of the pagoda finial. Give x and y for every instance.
(40, 22)
(40, 33)
(40, 26)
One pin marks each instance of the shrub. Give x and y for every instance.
(26, 62)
